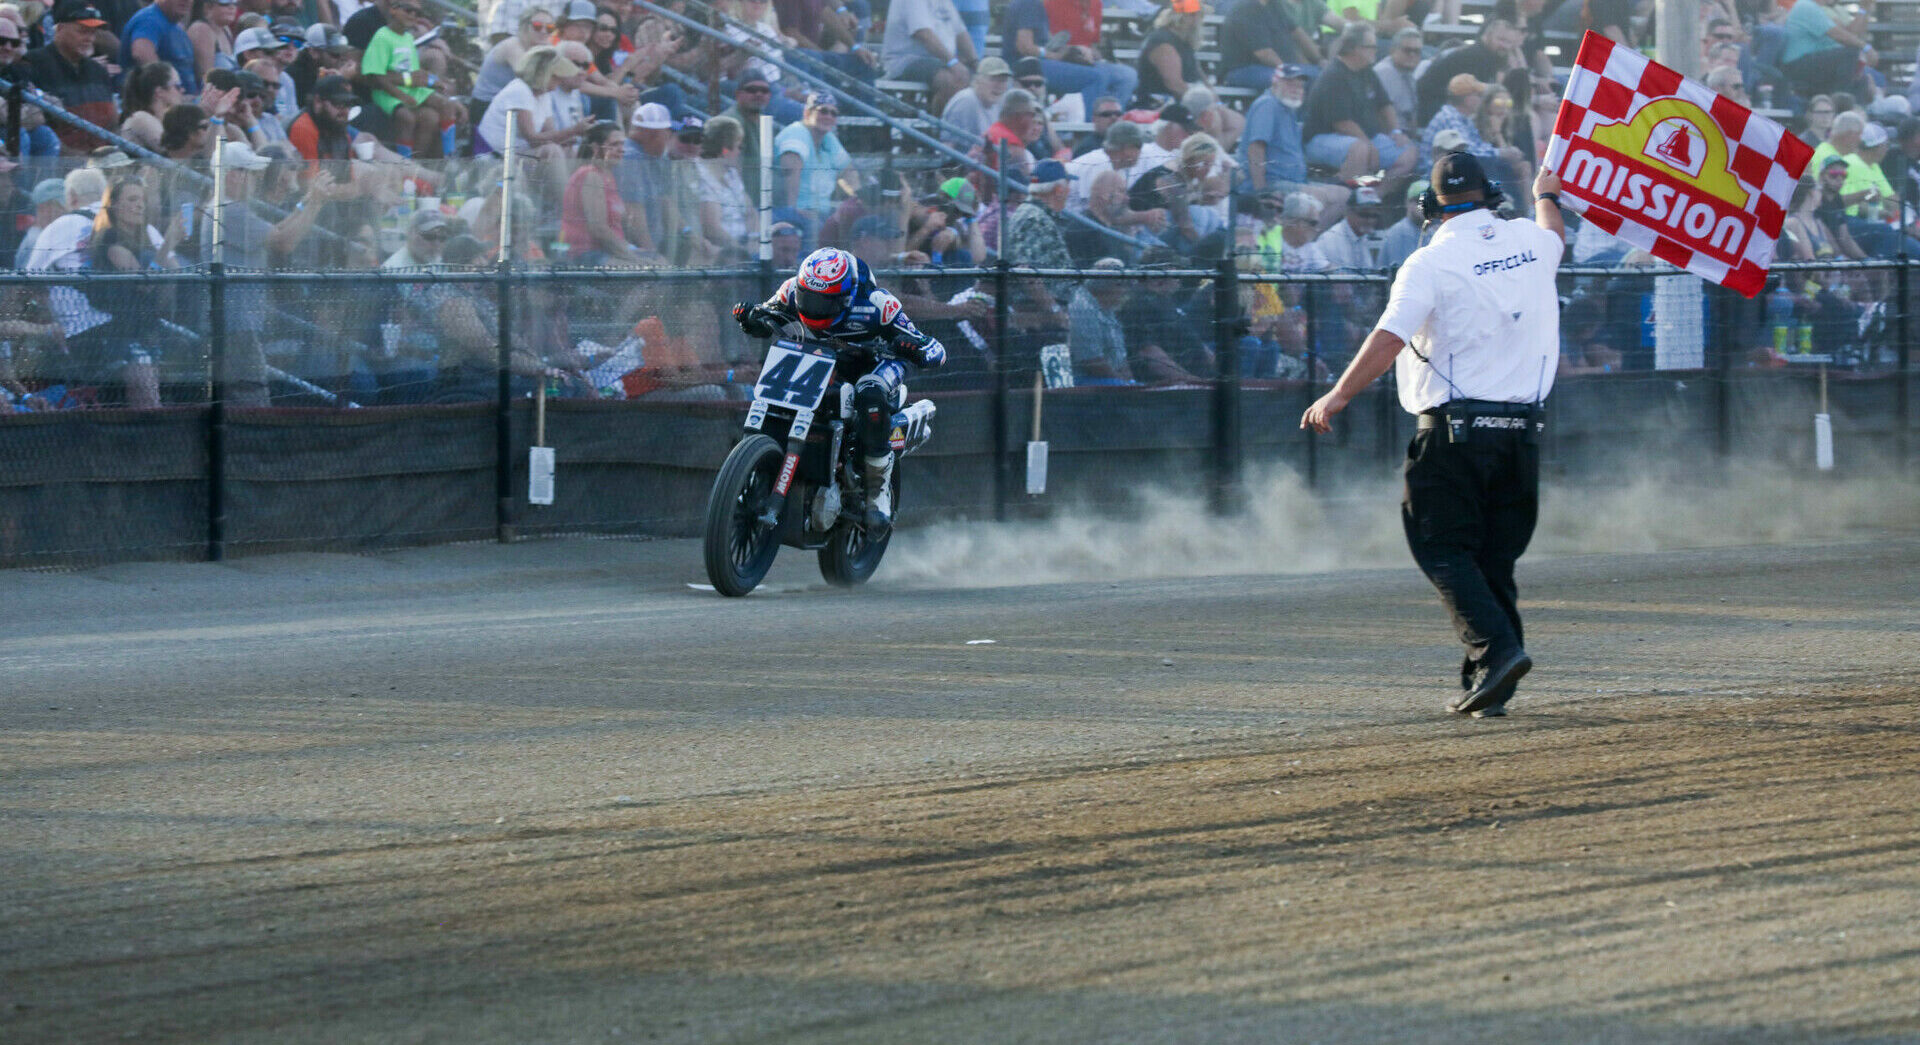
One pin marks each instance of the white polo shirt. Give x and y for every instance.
(62, 247)
(1480, 304)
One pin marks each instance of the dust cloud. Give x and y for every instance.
(1288, 529)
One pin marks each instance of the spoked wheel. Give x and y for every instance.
(743, 522)
(849, 558)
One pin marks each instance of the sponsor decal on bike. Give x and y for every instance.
(898, 440)
(785, 481)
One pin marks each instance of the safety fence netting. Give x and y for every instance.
(229, 411)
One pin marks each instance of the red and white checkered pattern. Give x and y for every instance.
(1609, 84)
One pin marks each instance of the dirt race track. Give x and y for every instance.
(550, 793)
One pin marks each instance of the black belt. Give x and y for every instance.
(1461, 418)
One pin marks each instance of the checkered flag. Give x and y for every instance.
(1673, 168)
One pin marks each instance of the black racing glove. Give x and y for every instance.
(754, 320)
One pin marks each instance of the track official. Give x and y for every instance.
(1478, 316)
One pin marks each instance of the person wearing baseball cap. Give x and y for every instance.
(1871, 199)
(1465, 96)
(1271, 152)
(752, 94)
(62, 68)
(1353, 242)
(1472, 328)
(1174, 125)
(49, 201)
(325, 131)
(645, 176)
(975, 108)
(1402, 238)
(257, 42)
(1033, 235)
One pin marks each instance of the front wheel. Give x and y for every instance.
(848, 557)
(743, 525)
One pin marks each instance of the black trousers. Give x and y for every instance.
(1469, 510)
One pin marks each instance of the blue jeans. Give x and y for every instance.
(1091, 82)
(1881, 239)
(974, 15)
(840, 61)
(1330, 150)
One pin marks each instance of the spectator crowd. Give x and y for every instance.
(1289, 135)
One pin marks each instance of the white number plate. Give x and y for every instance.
(793, 379)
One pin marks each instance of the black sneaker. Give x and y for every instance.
(1496, 688)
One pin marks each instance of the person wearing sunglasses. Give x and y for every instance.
(507, 18)
(749, 101)
(67, 69)
(535, 27)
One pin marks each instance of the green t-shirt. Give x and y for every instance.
(1863, 175)
(391, 52)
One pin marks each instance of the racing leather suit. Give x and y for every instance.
(873, 316)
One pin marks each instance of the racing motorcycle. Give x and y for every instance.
(792, 481)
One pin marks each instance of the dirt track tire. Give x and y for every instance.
(739, 544)
(849, 558)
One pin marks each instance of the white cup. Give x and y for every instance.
(363, 147)
(390, 339)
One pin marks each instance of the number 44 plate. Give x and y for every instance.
(793, 379)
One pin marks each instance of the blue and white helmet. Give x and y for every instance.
(823, 288)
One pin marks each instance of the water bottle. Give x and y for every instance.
(1780, 316)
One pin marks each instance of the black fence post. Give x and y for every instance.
(216, 411)
(1226, 388)
(1902, 392)
(1002, 449)
(16, 126)
(503, 406)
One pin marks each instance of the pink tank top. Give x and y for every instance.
(573, 215)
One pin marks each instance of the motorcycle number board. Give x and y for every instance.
(792, 378)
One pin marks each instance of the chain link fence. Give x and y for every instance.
(350, 410)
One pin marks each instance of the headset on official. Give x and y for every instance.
(1432, 210)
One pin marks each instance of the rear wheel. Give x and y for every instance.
(742, 534)
(849, 558)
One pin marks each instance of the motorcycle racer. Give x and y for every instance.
(833, 295)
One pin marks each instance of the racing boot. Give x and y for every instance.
(879, 515)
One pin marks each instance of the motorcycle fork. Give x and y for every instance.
(796, 445)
